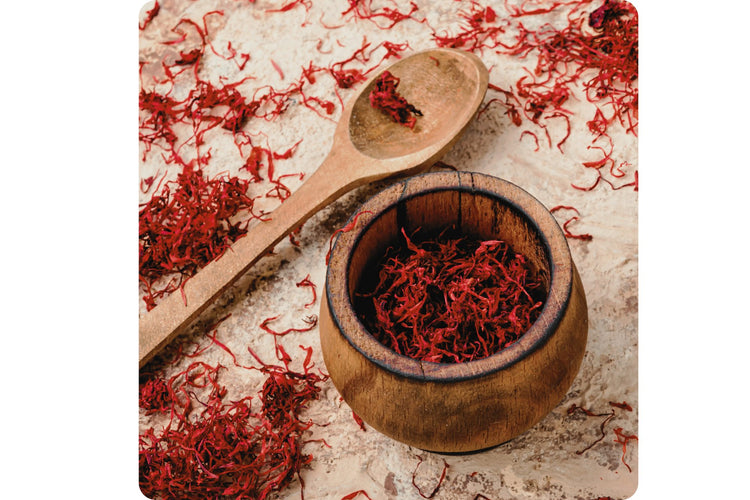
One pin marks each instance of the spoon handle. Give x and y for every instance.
(177, 311)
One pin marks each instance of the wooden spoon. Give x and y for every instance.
(446, 85)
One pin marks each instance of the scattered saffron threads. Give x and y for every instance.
(566, 231)
(346, 78)
(222, 346)
(307, 4)
(600, 178)
(359, 421)
(520, 11)
(478, 32)
(439, 483)
(362, 9)
(623, 439)
(150, 15)
(348, 227)
(311, 322)
(449, 299)
(609, 416)
(385, 98)
(511, 104)
(570, 55)
(354, 494)
(183, 228)
(211, 448)
(306, 282)
(231, 52)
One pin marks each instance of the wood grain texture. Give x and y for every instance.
(447, 84)
(460, 407)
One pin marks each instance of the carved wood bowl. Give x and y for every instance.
(454, 407)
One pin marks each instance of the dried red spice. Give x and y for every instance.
(623, 439)
(307, 4)
(359, 421)
(622, 406)
(596, 52)
(479, 31)
(150, 15)
(306, 282)
(211, 448)
(348, 227)
(566, 231)
(354, 494)
(311, 321)
(609, 416)
(188, 224)
(362, 9)
(385, 98)
(437, 486)
(155, 396)
(449, 298)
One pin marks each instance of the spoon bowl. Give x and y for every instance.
(446, 85)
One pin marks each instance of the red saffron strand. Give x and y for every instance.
(623, 439)
(150, 15)
(566, 231)
(533, 136)
(439, 483)
(306, 282)
(354, 494)
(277, 68)
(623, 406)
(359, 421)
(348, 227)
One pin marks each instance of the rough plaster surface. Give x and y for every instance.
(541, 463)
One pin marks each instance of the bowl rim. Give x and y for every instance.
(550, 234)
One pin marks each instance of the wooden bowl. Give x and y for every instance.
(455, 407)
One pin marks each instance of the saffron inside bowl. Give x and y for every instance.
(447, 297)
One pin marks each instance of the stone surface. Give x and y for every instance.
(541, 463)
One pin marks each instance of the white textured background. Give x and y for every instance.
(541, 463)
(69, 330)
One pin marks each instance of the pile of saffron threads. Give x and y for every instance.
(189, 223)
(450, 299)
(385, 98)
(216, 449)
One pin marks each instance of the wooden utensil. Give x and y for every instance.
(446, 85)
(454, 407)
